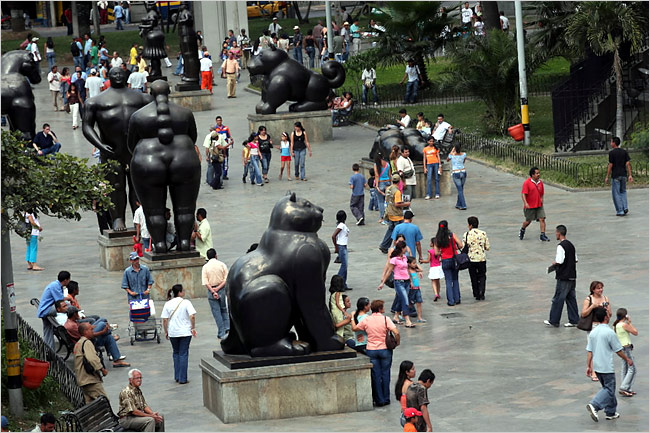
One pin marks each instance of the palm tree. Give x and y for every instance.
(413, 30)
(604, 27)
(550, 39)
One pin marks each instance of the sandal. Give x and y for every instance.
(397, 322)
(625, 393)
(410, 326)
(594, 378)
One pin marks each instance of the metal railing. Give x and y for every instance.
(59, 370)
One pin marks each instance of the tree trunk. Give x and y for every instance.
(620, 124)
(83, 16)
(296, 8)
(96, 22)
(17, 21)
(307, 13)
(491, 15)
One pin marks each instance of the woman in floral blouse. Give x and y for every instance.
(478, 244)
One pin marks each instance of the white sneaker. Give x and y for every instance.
(570, 325)
(616, 415)
(427, 197)
(547, 323)
(113, 326)
(592, 411)
(437, 196)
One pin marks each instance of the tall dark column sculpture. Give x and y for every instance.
(111, 111)
(17, 95)
(187, 36)
(154, 49)
(161, 138)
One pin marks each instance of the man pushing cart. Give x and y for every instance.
(137, 282)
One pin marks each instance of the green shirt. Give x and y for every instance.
(94, 51)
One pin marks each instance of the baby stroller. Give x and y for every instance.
(142, 325)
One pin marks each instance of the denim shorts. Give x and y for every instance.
(415, 296)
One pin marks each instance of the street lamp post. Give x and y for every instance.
(523, 87)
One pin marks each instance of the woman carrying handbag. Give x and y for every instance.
(595, 299)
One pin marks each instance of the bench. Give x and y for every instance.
(59, 332)
(342, 117)
(95, 416)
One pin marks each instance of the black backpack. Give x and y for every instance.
(74, 49)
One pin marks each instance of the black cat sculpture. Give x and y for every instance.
(387, 137)
(281, 285)
(287, 80)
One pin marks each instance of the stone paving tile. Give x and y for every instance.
(498, 367)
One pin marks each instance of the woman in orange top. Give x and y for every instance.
(432, 168)
(377, 326)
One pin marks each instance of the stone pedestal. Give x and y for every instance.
(318, 124)
(195, 100)
(421, 188)
(286, 391)
(114, 249)
(175, 268)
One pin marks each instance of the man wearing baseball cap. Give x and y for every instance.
(137, 279)
(394, 205)
(412, 416)
(274, 27)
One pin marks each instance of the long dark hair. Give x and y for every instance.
(404, 367)
(361, 304)
(174, 291)
(400, 246)
(442, 237)
(621, 313)
(49, 42)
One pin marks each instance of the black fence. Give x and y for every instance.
(392, 95)
(59, 370)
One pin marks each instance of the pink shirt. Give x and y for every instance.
(400, 269)
(375, 326)
(254, 146)
(434, 260)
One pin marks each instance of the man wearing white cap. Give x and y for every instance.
(34, 49)
(274, 27)
(297, 44)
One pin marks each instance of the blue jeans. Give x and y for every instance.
(209, 175)
(411, 91)
(51, 59)
(106, 340)
(385, 243)
(219, 308)
(78, 61)
(619, 194)
(179, 67)
(216, 174)
(628, 371)
(266, 162)
(255, 169)
(181, 356)
(343, 270)
(338, 57)
(565, 291)
(606, 397)
(432, 173)
(451, 281)
(299, 163)
(374, 201)
(311, 53)
(65, 86)
(118, 24)
(459, 181)
(54, 148)
(297, 54)
(380, 374)
(401, 293)
(364, 94)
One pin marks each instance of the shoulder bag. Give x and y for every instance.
(391, 339)
(461, 259)
(87, 365)
(586, 323)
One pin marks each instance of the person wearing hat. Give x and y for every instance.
(33, 48)
(274, 27)
(412, 416)
(137, 279)
(394, 205)
(345, 33)
(297, 44)
(206, 72)
(94, 83)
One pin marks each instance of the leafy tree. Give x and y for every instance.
(62, 186)
(604, 27)
(550, 39)
(487, 67)
(414, 30)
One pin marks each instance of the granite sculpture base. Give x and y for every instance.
(195, 100)
(445, 181)
(114, 249)
(175, 268)
(318, 124)
(318, 387)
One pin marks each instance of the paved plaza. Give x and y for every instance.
(498, 368)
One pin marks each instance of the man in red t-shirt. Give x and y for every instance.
(532, 193)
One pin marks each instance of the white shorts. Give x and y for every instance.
(435, 273)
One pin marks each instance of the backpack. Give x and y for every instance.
(74, 49)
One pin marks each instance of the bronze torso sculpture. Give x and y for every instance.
(111, 111)
(287, 80)
(161, 138)
(281, 285)
(17, 95)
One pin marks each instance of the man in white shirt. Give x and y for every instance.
(369, 80)
(466, 14)
(406, 169)
(441, 128)
(54, 78)
(274, 27)
(505, 22)
(142, 235)
(116, 61)
(206, 72)
(137, 81)
(34, 49)
(412, 73)
(404, 119)
(94, 84)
